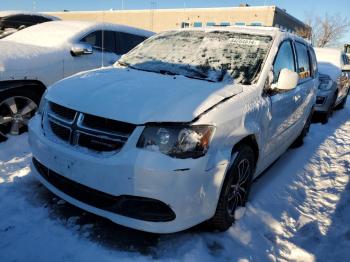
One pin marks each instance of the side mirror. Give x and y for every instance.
(346, 68)
(287, 80)
(79, 49)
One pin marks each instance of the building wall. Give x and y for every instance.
(285, 21)
(166, 19)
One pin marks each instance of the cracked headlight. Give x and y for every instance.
(178, 141)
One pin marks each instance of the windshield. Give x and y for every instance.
(205, 55)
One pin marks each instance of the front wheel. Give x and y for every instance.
(16, 109)
(235, 190)
(343, 102)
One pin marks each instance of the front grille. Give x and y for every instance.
(320, 100)
(63, 112)
(83, 130)
(107, 125)
(99, 143)
(60, 131)
(142, 208)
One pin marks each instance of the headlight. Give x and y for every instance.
(325, 85)
(177, 141)
(42, 104)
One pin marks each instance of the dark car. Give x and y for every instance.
(12, 21)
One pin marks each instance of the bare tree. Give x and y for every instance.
(326, 30)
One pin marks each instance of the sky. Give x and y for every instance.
(297, 8)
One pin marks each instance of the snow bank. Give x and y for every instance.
(298, 211)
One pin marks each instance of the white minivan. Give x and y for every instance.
(174, 133)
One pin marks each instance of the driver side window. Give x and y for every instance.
(284, 59)
(94, 39)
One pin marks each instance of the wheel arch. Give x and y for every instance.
(38, 86)
(251, 141)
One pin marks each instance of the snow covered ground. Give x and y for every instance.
(298, 210)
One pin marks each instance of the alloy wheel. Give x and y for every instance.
(15, 113)
(237, 191)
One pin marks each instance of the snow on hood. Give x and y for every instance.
(137, 96)
(22, 59)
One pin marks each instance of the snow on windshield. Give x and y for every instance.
(205, 55)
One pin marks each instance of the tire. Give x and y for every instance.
(343, 102)
(232, 196)
(324, 117)
(299, 141)
(17, 106)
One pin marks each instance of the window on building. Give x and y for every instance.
(240, 23)
(303, 61)
(225, 23)
(284, 59)
(210, 24)
(197, 24)
(185, 25)
(256, 24)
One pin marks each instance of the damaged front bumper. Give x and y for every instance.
(136, 188)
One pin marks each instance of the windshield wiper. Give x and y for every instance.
(123, 63)
(166, 72)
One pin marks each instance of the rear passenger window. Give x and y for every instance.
(126, 42)
(304, 68)
(109, 41)
(284, 59)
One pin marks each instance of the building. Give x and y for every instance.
(165, 19)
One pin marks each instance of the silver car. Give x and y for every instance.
(334, 82)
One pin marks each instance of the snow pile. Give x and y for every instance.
(298, 211)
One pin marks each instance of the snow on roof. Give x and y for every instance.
(329, 61)
(61, 32)
(16, 12)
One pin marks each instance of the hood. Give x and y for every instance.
(333, 71)
(18, 59)
(139, 97)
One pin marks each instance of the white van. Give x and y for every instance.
(175, 132)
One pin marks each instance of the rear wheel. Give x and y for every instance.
(17, 106)
(235, 190)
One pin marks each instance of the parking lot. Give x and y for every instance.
(298, 210)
